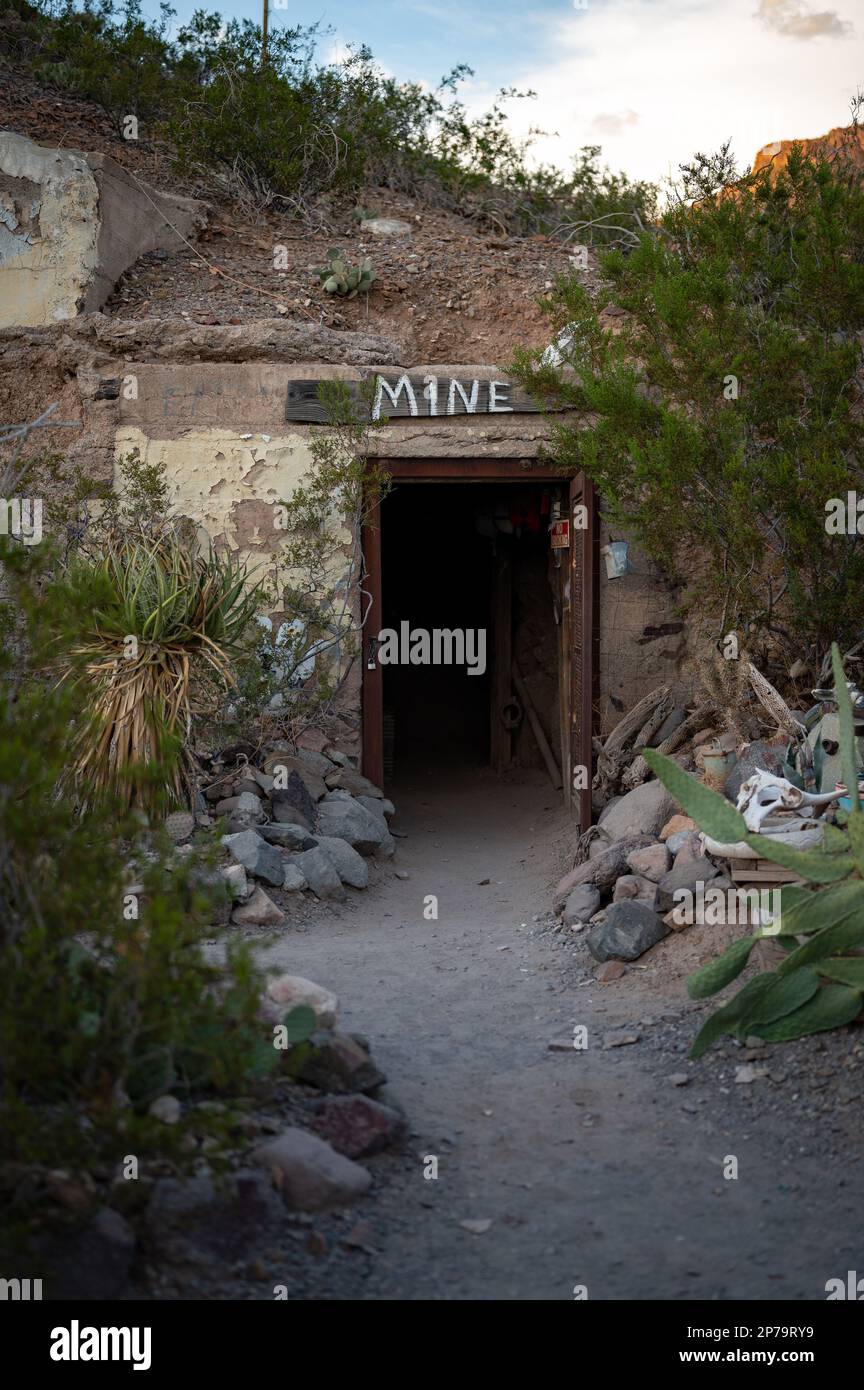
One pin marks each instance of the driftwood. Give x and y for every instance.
(639, 770)
(616, 753)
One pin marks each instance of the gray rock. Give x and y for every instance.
(318, 763)
(259, 911)
(349, 865)
(643, 811)
(288, 835)
(348, 779)
(386, 226)
(684, 876)
(343, 818)
(247, 803)
(603, 868)
(238, 885)
(295, 879)
(293, 802)
(651, 862)
(635, 888)
(91, 1262)
(689, 850)
(676, 840)
(257, 857)
(630, 929)
(581, 904)
(319, 872)
(760, 753)
(377, 806)
(309, 1173)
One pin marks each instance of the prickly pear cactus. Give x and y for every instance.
(337, 277)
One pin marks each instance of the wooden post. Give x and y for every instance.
(501, 745)
(373, 682)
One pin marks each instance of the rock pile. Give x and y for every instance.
(297, 819)
(641, 860)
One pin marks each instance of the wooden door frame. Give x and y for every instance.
(583, 606)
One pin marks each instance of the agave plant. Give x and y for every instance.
(820, 983)
(168, 614)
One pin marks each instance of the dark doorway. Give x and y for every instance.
(473, 562)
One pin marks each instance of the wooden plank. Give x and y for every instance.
(373, 681)
(537, 728)
(416, 397)
(584, 557)
(501, 750)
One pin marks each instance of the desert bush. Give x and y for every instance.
(287, 128)
(724, 408)
(106, 997)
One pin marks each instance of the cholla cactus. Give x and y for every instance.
(337, 278)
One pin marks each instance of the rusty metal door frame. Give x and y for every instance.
(584, 559)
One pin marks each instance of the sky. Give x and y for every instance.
(651, 81)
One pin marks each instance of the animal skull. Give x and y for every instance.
(765, 792)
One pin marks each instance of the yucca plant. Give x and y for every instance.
(820, 984)
(168, 615)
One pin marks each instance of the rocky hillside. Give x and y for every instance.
(447, 291)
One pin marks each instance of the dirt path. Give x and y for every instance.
(591, 1166)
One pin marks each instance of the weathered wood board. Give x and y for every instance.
(419, 397)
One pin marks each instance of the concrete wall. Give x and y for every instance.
(70, 225)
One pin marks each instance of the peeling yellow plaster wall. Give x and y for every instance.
(230, 484)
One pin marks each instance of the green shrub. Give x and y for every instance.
(723, 408)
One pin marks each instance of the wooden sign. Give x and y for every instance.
(416, 397)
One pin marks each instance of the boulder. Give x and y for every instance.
(319, 872)
(635, 888)
(357, 1125)
(684, 876)
(288, 835)
(348, 779)
(238, 884)
(651, 862)
(688, 848)
(643, 811)
(92, 1262)
(295, 879)
(676, 823)
(244, 804)
(288, 991)
(257, 857)
(379, 806)
(343, 818)
(629, 930)
(259, 911)
(603, 869)
(293, 802)
(339, 1064)
(309, 1173)
(315, 760)
(582, 902)
(349, 865)
(386, 226)
(281, 765)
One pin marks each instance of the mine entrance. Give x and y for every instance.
(468, 648)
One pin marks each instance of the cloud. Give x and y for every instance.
(613, 123)
(797, 21)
